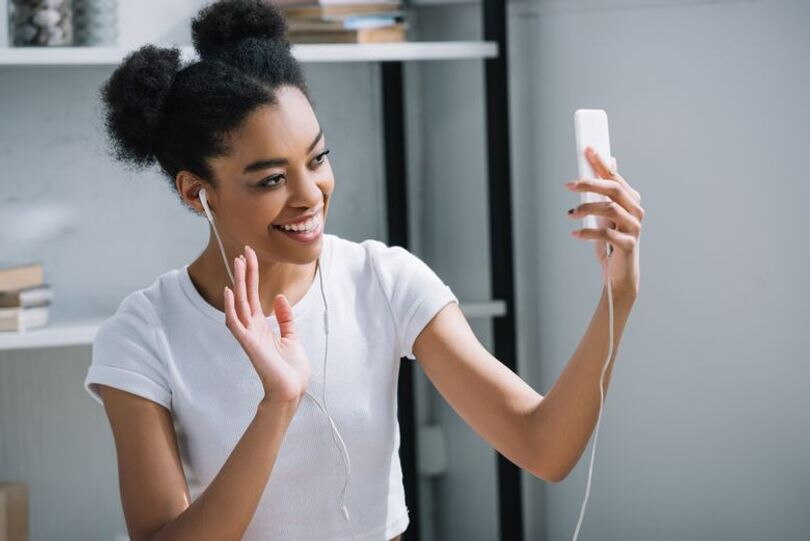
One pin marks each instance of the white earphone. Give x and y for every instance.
(336, 437)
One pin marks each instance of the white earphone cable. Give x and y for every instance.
(601, 389)
(204, 201)
(335, 433)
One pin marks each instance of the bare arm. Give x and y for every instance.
(562, 422)
(153, 488)
(542, 435)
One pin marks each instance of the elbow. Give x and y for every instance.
(554, 476)
(557, 477)
(550, 473)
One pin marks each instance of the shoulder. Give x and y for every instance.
(126, 353)
(138, 311)
(372, 256)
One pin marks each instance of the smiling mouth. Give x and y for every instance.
(307, 226)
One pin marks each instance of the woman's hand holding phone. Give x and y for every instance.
(280, 361)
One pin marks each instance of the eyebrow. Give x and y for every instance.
(277, 162)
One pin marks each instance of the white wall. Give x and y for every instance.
(102, 232)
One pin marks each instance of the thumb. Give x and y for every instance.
(284, 316)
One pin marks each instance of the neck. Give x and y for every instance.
(209, 276)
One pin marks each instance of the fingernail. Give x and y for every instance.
(571, 183)
(570, 211)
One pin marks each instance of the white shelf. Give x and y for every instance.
(338, 52)
(82, 331)
(55, 334)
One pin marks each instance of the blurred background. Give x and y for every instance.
(705, 431)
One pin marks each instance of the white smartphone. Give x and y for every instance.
(591, 130)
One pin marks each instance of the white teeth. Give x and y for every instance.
(304, 227)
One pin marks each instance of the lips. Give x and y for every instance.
(299, 220)
(307, 236)
(312, 224)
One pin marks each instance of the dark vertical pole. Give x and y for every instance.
(500, 239)
(393, 105)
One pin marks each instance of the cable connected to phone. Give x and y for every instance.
(335, 433)
(606, 279)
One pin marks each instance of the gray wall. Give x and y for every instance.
(704, 433)
(453, 236)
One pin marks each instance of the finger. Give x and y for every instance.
(284, 316)
(611, 188)
(621, 241)
(598, 163)
(613, 211)
(633, 191)
(612, 173)
(253, 282)
(231, 321)
(242, 307)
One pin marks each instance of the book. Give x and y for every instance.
(24, 318)
(287, 4)
(351, 22)
(21, 276)
(322, 11)
(393, 33)
(29, 296)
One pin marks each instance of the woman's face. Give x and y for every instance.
(276, 173)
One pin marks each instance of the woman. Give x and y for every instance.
(198, 435)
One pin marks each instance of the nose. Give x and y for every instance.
(305, 191)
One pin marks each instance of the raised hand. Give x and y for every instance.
(280, 361)
(624, 212)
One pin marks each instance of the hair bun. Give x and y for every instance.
(135, 95)
(225, 23)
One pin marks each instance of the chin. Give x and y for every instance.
(291, 251)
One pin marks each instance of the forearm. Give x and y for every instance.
(226, 507)
(564, 419)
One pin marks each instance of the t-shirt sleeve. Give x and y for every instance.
(125, 354)
(414, 291)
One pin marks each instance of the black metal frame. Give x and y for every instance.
(510, 511)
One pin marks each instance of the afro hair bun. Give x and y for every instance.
(225, 23)
(134, 96)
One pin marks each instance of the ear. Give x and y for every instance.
(188, 187)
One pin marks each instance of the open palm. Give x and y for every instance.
(280, 361)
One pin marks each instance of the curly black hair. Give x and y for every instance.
(160, 111)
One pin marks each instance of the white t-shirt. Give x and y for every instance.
(168, 344)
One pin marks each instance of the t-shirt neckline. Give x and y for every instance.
(300, 308)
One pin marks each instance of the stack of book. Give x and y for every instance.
(344, 21)
(25, 298)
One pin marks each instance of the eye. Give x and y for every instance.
(271, 182)
(320, 158)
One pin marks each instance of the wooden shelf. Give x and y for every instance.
(338, 52)
(82, 331)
